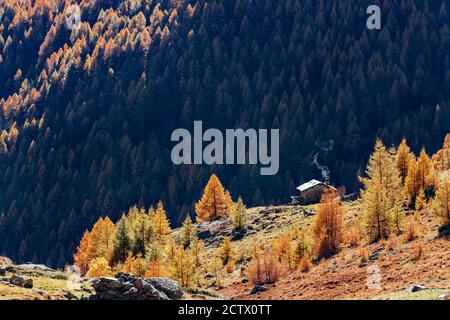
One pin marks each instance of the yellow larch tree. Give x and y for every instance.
(230, 205)
(96, 244)
(441, 160)
(226, 250)
(197, 246)
(161, 225)
(284, 250)
(425, 172)
(188, 232)
(238, 216)
(403, 159)
(412, 183)
(213, 203)
(382, 196)
(301, 248)
(420, 202)
(182, 267)
(441, 202)
(154, 269)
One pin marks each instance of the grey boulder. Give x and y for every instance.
(169, 287)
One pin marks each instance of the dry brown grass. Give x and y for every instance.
(363, 254)
(391, 243)
(417, 251)
(411, 229)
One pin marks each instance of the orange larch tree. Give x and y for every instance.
(404, 155)
(328, 225)
(213, 203)
(81, 258)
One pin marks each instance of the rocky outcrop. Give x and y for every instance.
(416, 288)
(257, 289)
(170, 287)
(127, 287)
(375, 253)
(18, 281)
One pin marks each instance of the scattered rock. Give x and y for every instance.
(151, 292)
(40, 292)
(16, 280)
(256, 289)
(309, 213)
(123, 277)
(107, 283)
(70, 296)
(208, 276)
(375, 253)
(170, 287)
(128, 287)
(28, 284)
(204, 234)
(416, 287)
(33, 266)
(132, 292)
(237, 234)
(444, 231)
(138, 283)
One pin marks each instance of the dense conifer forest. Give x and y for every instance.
(86, 114)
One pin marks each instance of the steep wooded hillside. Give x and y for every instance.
(86, 114)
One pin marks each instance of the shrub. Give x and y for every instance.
(283, 249)
(390, 244)
(353, 236)
(418, 251)
(411, 229)
(230, 266)
(363, 254)
(264, 269)
(305, 263)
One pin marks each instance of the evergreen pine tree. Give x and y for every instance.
(122, 242)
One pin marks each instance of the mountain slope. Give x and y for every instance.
(423, 261)
(87, 120)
